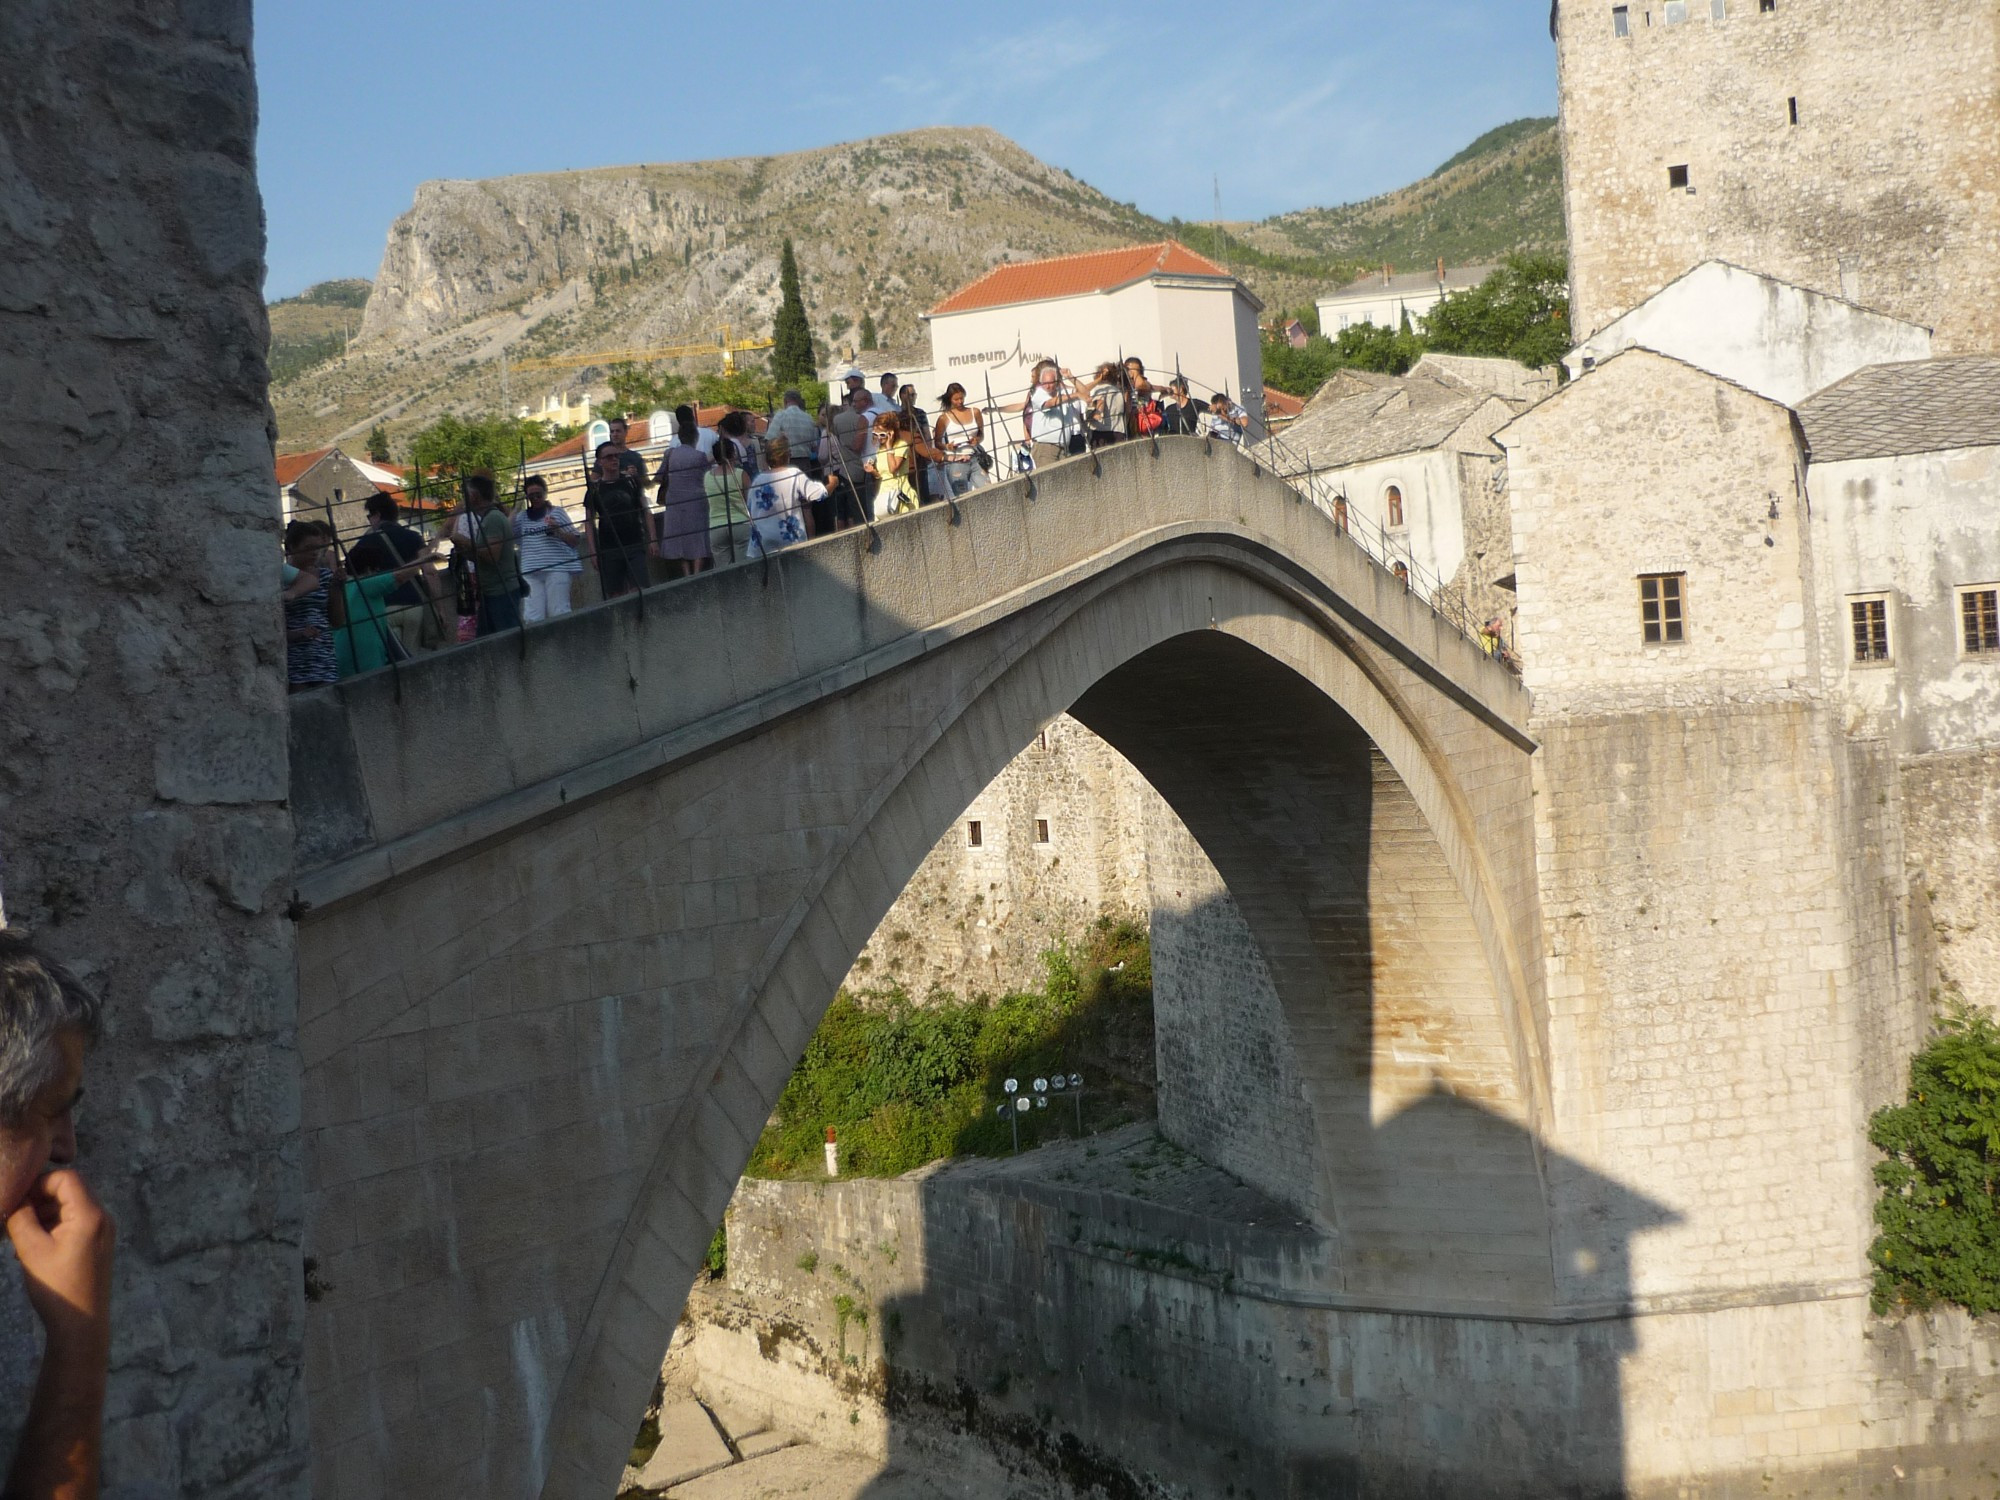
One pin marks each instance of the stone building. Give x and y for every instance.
(1851, 149)
(1411, 462)
(1054, 842)
(331, 482)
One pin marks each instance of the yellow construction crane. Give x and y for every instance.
(727, 347)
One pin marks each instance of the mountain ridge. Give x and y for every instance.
(665, 253)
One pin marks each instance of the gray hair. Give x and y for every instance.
(39, 1001)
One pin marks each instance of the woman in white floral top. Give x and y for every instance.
(780, 501)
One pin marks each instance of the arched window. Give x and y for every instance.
(1392, 507)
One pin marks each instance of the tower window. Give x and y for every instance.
(1767, 6)
(1041, 830)
(1621, 20)
(1662, 597)
(975, 835)
(1677, 177)
(1392, 506)
(1979, 614)
(1677, 12)
(1792, 107)
(1719, 9)
(1870, 621)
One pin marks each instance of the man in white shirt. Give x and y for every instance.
(1055, 415)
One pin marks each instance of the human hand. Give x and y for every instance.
(63, 1238)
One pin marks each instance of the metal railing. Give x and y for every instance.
(453, 581)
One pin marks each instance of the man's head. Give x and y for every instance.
(793, 398)
(47, 1019)
(618, 431)
(856, 381)
(479, 491)
(607, 461)
(891, 383)
(1179, 387)
(381, 510)
(857, 398)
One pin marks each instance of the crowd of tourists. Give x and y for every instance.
(743, 489)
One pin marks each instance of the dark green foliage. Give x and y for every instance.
(378, 444)
(793, 361)
(290, 357)
(639, 389)
(1520, 312)
(716, 1262)
(747, 386)
(454, 445)
(904, 1084)
(1299, 372)
(349, 293)
(868, 336)
(1939, 1212)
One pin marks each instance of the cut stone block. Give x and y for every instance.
(689, 1447)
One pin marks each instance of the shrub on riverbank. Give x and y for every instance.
(1939, 1212)
(904, 1084)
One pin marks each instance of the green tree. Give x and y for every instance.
(638, 389)
(455, 445)
(1939, 1212)
(793, 361)
(1520, 312)
(747, 386)
(1299, 372)
(378, 445)
(868, 338)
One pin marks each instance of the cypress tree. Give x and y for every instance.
(793, 361)
(868, 339)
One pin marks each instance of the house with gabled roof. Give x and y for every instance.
(1172, 308)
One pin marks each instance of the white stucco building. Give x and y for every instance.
(1162, 302)
(1781, 341)
(1382, 297)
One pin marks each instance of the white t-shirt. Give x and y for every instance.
(777, 502)
(1052, 418)
(704, 440)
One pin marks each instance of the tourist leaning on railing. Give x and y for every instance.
(960, 434)
(548, 540)
(781, 501)
(728, 523)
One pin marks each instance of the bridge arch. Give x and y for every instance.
(1349, 790)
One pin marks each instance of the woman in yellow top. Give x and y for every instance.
(893, 466)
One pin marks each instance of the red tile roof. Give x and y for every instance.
(1077, 275)
(1278, 404)
(292, 466)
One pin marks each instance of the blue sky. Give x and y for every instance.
(1293, 105)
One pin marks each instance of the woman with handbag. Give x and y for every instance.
(960, 435)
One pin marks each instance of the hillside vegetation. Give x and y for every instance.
(647, 255)
(1501, 195)
(314, 326)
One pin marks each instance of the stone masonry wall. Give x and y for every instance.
(142, 704)
(1951, 806)
(979, 918)
(1232, 1087)
(1886, 191)
(1154, 1336)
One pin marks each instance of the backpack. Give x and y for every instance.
(1150, 418)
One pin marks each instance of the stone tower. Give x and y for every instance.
(1851, 149)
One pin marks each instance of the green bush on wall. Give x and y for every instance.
(1939, 1212)
(905, 1084)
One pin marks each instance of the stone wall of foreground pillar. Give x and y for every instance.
(143, 774)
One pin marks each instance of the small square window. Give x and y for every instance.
(1767, 6)
(1979, 620)
(1677, 177)
(1719, 9)
(1621, 20)
(975, 836)
(1677, 12)
(1869, 619)
(1662, 599)
(1041, 830)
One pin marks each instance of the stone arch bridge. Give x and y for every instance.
(571, 905)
